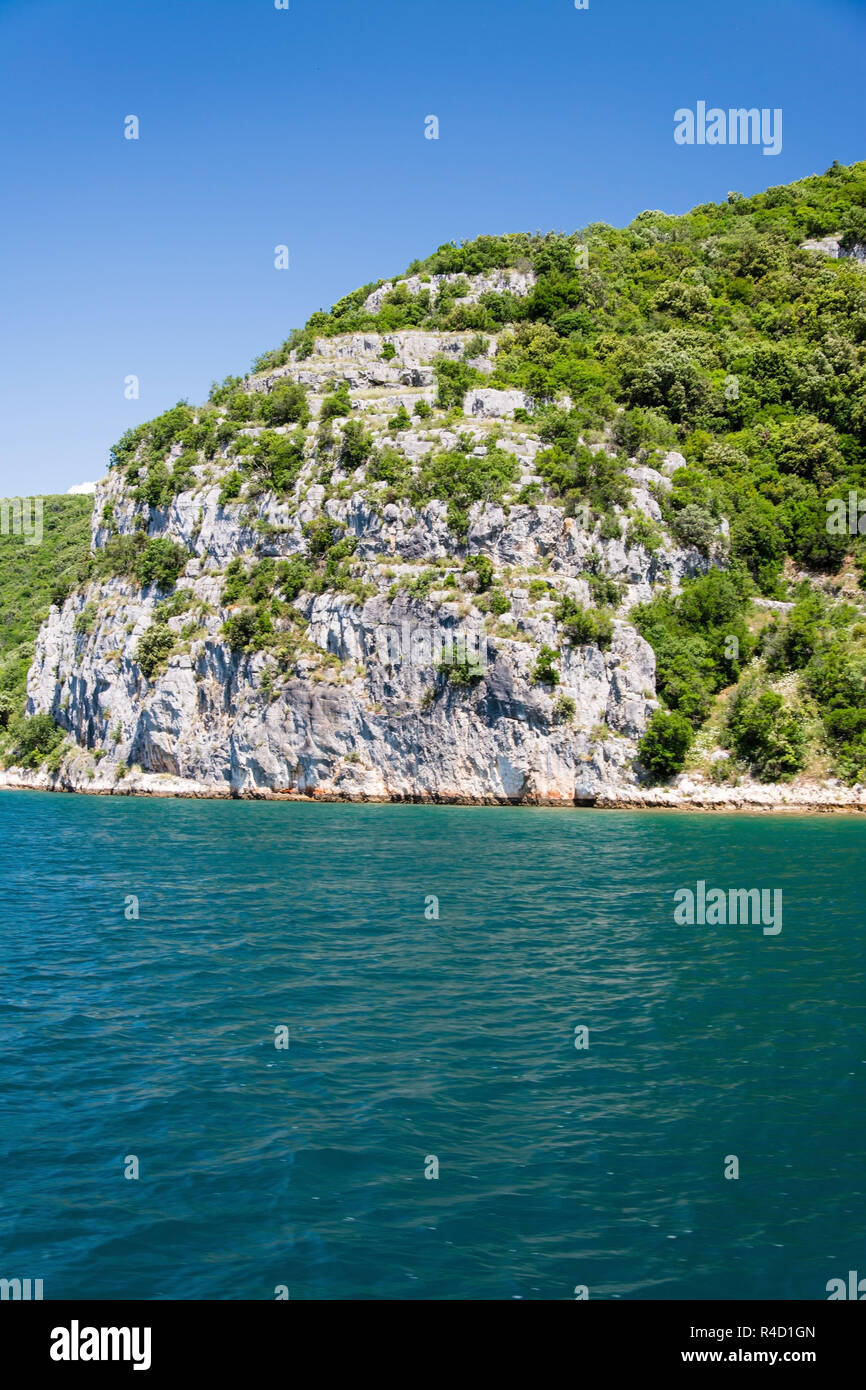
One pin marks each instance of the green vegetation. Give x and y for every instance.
(262, 593)
(464, 674)
(34, 740)
(482, 566)
(286, 405)
(584, 626)
(767, 732)
(32, 577)
(663, 748)
(155, 560)
(700, 639)
(271, 461)
(564, 709)
(155, 647)
(717, 334)
(453, 380)
(337, 404)
(798, 689)
(544, 672)
(713, 333)
(825, 644)
(459, 478)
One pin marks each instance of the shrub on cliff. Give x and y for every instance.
(584, 626)
(665, 745)
(355, 445)
(460, 479)
(35, 739)
(337, 404)
(274, 460)
(154, 648)
(248, 630)
(544, 672)
(286, 405)
(767, 733)
(230, 488)
(453, 380)
(161, 562)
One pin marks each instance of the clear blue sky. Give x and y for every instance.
(306, 127)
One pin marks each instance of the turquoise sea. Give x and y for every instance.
(414, 1037)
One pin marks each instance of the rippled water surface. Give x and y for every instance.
(413, 1037)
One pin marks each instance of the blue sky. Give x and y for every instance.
(305, 127)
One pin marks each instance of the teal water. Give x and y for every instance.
(413, 1037)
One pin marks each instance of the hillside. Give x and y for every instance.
(32, 577)
(597, 467)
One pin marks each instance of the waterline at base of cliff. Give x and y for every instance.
(687, 794)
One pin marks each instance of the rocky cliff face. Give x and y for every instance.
(362, 707)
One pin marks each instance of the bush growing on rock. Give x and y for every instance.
(583, 626)
(35, 739)
(273, 460)
(356, 445)
(665, 745)
(453, 380)
(482, 566)
(564, 709)
(767, 733)
(460, 479)
(292, 577)
(694, 525)
(286, 405)
(230, 488)
(248, 630)
(154, 648)
(544, 672)
(337, 404)
(700, 640)
(160, 562)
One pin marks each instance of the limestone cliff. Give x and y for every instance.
(357, 705)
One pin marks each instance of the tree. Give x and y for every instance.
(544, 672)
(35, 739)
(767, 733)
(664, 746)
(286, 405)
(161, 562)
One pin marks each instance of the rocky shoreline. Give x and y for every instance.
(806, 798)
